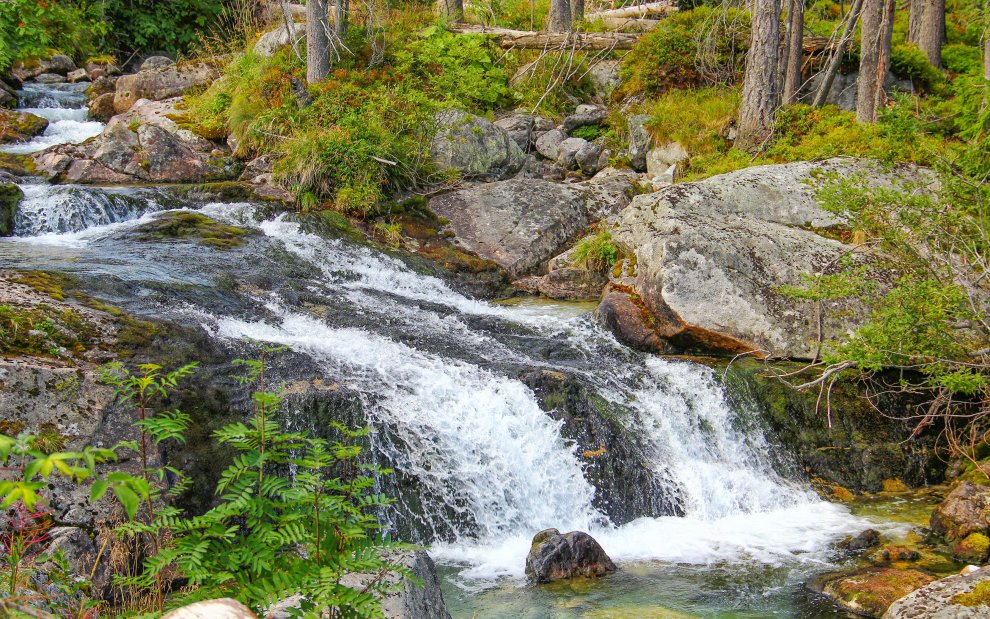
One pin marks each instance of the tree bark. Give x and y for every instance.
(874, 59)
(341, 9)
(317, 41)
(452, 10)
(761, 86)
(916, 12)
(931, 31)
(577, 11)
(795, 49)
(559, 17)
(835, 61)
(986, 57)
(638, 10)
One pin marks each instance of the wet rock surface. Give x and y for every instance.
(161, 79)
(554, 556)
(869, 592)
(965, 510)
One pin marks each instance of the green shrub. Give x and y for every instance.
(596, 252)
(909, 62)
(700, 47)
(962, 59)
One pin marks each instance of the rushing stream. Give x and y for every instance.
(724, 530)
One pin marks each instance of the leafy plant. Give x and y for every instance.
(294, 514)
(597, 252)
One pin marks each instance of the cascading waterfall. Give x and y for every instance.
(439, 371)
(60, 209)
(64, 106)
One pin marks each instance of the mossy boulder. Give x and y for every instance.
(10, 197)
(850, 443)
(973, 548)
(961, 596)
(965, 510)
(20, 126)
(870, 591)
(186, 225)
(554, 556)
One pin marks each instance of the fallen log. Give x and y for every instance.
(525, 39)
(629, 24)
(640, 10)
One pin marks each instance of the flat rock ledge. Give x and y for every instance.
(963, 596)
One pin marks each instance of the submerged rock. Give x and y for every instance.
(869, 591)
(474, 147)
(555, 556)
(962, 596)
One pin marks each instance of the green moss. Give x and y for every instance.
(48, 284)
(186, 225)
(10, 197)
(979, 596)
(20, 126)
(973, 548)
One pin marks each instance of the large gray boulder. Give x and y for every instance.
(164, 81)
(474, 147)
(554, 556)
(707, 260)
(948, 598)
(521, 223)
(276, 39)
(640, 140)
(144, 144)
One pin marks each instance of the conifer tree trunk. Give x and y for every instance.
(341, 10)
(452, 10)
(874, 58)
(559, 17)
(317, 41)
(986, 56)
(835, 61)
(761, 85)
(931, 31)
(916, 12)
(577, 11)
(795, 55)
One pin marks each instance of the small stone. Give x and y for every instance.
(50, 78)
(79, 75)
(640, 141)
(548, 144)
(965, 510)
(584, 116)
(588, 157)
(154, 63)
(895, 485)
(554, 557)
(101, 108)
(659, 160)
(867, 539)
(567, 152)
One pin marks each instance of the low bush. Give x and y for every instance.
(704, 46)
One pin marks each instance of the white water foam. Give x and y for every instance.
(65, 126)
(478, 440)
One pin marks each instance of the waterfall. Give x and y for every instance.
(64, 106)
(60, 209)
(438, 377)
